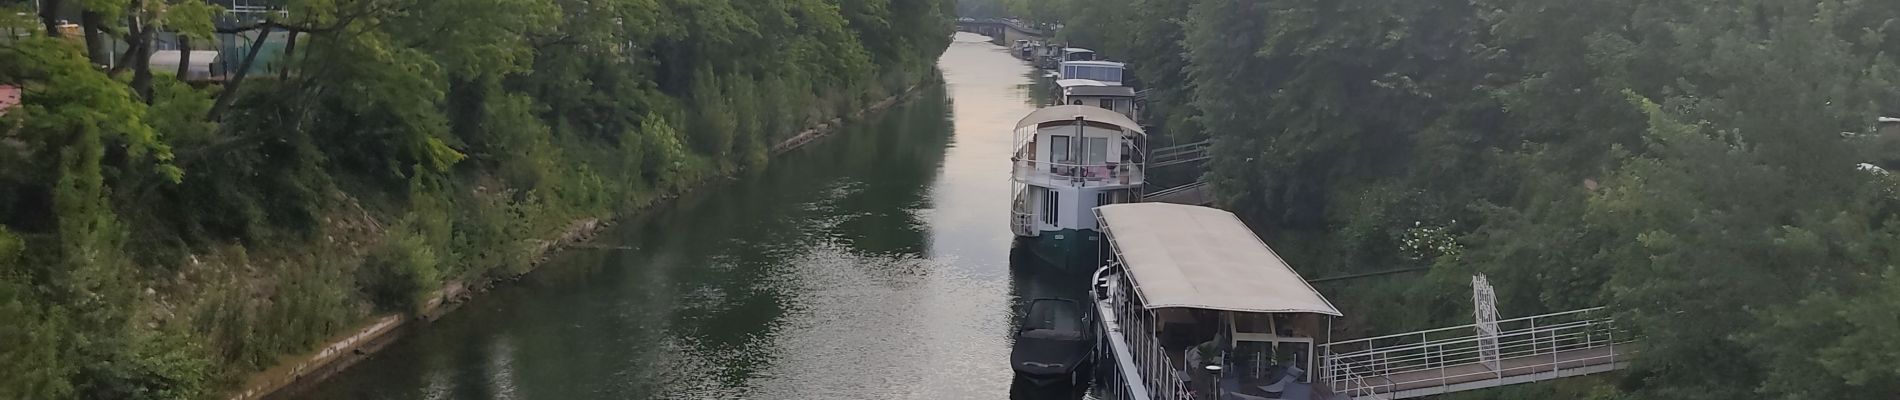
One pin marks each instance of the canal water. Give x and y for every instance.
(875, 264)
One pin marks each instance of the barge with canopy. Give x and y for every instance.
(1193, 305)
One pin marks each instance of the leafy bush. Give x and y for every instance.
(402, 273)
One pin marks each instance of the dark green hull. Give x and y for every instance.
(1068, 249)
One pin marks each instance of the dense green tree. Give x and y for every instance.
(396, 146)
(1691, 165)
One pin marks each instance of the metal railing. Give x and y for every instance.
(1179, 154)
(1140, 367)
(1175, 190)
(1045, 173)
(1432, 361)
(1022, 222)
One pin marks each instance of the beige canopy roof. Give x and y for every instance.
(1199, 257)
(1071, 112)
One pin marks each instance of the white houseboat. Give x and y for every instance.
(1192, 305)
(1068, 160)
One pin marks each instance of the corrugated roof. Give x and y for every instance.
(1182, 256)
(1071, 112)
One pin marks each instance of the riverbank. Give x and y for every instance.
(301, 372)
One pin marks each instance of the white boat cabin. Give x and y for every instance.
(1107, 72)
(1119, 99)
(1069, 159)
(1077, 54)
(1192, 300)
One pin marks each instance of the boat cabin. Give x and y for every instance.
(1079, 145)
(1119, 99)
(1198, 303)
(1069, 159)
(1077, 54)
(1107, 72)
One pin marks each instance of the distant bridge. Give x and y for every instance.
(1001, 31)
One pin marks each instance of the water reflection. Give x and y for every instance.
(873, 265)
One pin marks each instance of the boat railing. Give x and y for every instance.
(1021, 220)
(1048, 173)
(1142, 368)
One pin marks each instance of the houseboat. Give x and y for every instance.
(1192, 305)
(1068, 160)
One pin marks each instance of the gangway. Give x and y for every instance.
(1471, 357)
(1193, 306)
(1193, 194)
(1179, 154)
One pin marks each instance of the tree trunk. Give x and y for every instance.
(229, 94)
(290, 52)
(49, 16)
(184, 58)
(142, 64)
(91, 22)
(134, 31)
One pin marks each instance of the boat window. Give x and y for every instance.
(1051, 201)
(1104, 198)
(1075, 102)
(1059, 148)
(1097, 151)
(1108, 103)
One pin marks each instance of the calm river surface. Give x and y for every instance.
(872, 265)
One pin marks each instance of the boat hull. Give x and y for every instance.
(1067, 249)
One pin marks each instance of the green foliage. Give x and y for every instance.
(403, 271)
(30, 340)
(406, 144)
(1682, 163)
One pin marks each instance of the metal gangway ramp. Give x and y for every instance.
(1477, 356)
(1189, 155)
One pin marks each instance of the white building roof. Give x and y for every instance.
(1071, 112)
(1181, 256)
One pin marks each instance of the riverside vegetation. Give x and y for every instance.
(1697, 166)
(162, 239)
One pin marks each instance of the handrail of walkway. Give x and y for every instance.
(1113, 338)
(1418, 363)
